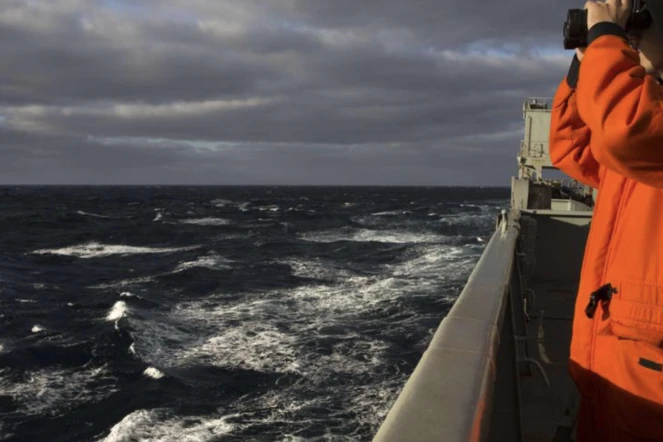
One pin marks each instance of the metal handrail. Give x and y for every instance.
(448, 397)
(547, 101)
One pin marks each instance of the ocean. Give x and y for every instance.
(224, 313)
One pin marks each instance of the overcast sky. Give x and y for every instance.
(377, 92)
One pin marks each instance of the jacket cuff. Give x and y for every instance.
(574, 69)
(605, 28)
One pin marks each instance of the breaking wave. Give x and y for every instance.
(206, 222)
(366, 235)
(157, 426)
(96, 250)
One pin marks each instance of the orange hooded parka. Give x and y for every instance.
(607, 132)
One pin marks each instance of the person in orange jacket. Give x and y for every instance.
(607, 132)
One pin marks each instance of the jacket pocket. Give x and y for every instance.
(628, 360)
(638, 322)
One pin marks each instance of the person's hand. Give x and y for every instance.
(580, 52)
(649, 48)
(614, 11)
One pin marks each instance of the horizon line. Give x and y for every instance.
(260, 185)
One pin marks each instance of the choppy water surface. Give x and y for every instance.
(223, 314)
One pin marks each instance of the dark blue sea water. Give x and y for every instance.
(223, 313)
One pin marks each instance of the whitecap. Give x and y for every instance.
(467, 219)
(367, 404)
(93, 215)
(37, 328)
(220, 202)
(316, 268)
(96, 250)
(206, 221)
(153, 373)
(392, 212)
(251, 346)
(272, 208)
(426, 272)
(118, 311)
(154, 426)
(213, 262)
(366, 235)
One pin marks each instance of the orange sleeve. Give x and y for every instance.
(569, 143)
(622, 107)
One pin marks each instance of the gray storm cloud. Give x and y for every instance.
(278, 92)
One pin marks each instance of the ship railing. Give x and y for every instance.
(538, 103)
(449, 395)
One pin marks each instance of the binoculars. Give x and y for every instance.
(575, 27)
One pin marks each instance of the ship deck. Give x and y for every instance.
(549, 412)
